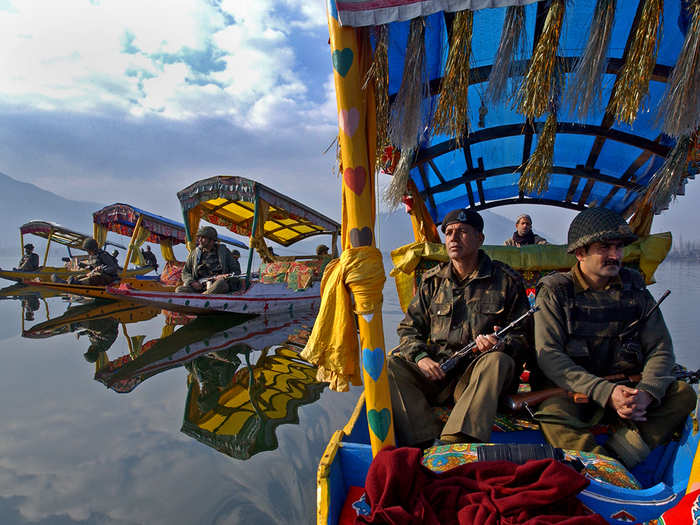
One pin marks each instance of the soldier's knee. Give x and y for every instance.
(497, 359)
(685, 395)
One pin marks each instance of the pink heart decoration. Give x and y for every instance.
(349, 120)
(355, 179)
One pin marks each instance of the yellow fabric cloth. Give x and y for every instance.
(193, 218)
(136, 256)
(166, 249)
(333, 345)
(647, 251)
(99, 232)
(424, 229)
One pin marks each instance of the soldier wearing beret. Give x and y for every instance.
(579, 339)
(29, 261)
(465, 299)
(212, 261)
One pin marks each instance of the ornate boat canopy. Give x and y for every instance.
(57, 233)
(232, 201)
(122, 218)
(566, 103)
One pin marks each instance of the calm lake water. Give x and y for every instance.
(75, 452)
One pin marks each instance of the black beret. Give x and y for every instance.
(465, 216)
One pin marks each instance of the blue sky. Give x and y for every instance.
(125, 100)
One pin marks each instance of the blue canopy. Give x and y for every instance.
(597, 161)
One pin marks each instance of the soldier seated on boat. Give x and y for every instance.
(209, 267)
(465, 299)
(523, 234)
(29, 261)
(101, 268)
(150, 258)
(579, 340)
(236, 270)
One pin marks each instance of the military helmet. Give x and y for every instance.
(208, 232)
(598, 225)
(90, 245)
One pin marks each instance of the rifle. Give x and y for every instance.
(469, 350)
(530, 399)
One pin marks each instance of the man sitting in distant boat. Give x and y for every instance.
(523, 234)
(236, 265)
(209, 267)
(102, 268)
(29, 261)
(580, 337)
(466, 299)
(150, 258)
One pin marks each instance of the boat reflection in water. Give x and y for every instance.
(244, 378)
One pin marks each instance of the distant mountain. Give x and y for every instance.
(21, 202)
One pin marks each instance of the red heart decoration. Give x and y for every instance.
(355, 179)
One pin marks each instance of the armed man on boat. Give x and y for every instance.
(209, 268)
(581, 336)
(101, 268)
(466, 299)
(523, 234)
(29, 261)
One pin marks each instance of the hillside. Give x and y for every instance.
(21, 202)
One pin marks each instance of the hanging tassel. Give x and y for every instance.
(679, 110)
(406, 124)
(451, 116)
(534, 94)
(393, 195)
(535, 175)
(378, 73)
(584, 93)
(510, 49)
(668, 180)
(633, 79)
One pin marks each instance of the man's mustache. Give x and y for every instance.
(611, 262)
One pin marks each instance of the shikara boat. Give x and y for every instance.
(139, 226)
(246, 207)
(54, 234)
(493, 107)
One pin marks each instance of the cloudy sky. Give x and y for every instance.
(136, 100)
(125, 100)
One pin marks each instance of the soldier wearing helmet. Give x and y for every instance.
(29, 261)
(101, 267)
(580, 338)
(209, 267)
(463, 300)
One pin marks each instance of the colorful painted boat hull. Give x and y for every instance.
(258, 299)
(44, 274)
(348, 456)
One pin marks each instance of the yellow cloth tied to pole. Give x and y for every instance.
(136, 256)
(166, 249)
(333, 345)
(99, 233)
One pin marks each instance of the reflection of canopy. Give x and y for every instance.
(122, 219)
(203, 335)
(259, 399)
(57, 233)
(120, 311)
(600, 157)
(232, 202)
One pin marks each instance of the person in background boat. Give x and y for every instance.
(235, 254)
(102, 268)
(523, 234)
(465, 299)
(578, 340)
(150, 258)
(322, 252)
(29, 261)
(210, 263)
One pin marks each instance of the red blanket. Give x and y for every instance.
(401, 491)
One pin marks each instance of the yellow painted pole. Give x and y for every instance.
(48, 245)
(351, 55)
(21, 244)
(134, 235)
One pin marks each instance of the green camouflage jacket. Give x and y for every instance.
(577, 334)
(446, 315)
(192, 270)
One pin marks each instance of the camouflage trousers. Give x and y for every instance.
(97, 278)
(568, 425)
(475, 392)
(218, 286)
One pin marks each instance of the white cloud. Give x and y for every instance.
(180, 59)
